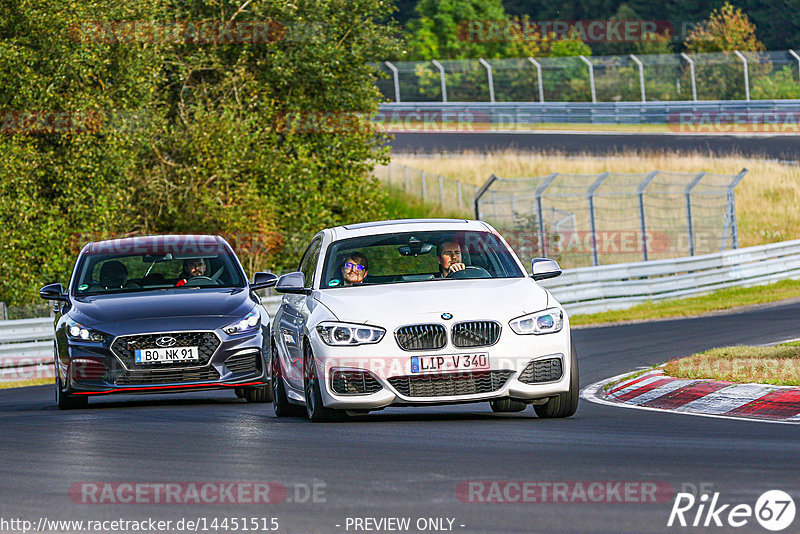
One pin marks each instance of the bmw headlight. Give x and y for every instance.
(546, 321)
(349, 334)
(78, 332)
(248, 323)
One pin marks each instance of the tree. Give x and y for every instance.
(726, 29)
(262, 141)
(457, 29)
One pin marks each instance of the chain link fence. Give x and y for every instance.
(450, 194)
(608, 218)
(733, 75)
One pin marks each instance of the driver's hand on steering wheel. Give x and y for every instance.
(456, 267)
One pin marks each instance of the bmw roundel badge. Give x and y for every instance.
(447, 316)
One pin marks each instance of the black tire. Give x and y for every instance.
(563, 404)
(257, 394)
(507, 405)
(65, 401)
(315, 410)
(280, 401)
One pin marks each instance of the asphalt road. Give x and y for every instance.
(407, 463)
(781, 147)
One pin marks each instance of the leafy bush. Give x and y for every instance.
(185, 136)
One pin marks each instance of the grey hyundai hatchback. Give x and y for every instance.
(159, 314)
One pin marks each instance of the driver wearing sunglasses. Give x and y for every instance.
(354, 269)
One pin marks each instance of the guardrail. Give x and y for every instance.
(26, 345)
(26, 348)
(616, 287)
(681, 116)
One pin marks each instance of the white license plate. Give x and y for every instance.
(172, 354)
(450, 362)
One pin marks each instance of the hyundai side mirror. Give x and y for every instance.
(53, 292)
(543, 268)
(263, 280)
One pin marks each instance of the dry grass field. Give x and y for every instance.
(766, 200)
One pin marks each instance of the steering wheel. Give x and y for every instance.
(201, 281)
(470, 271)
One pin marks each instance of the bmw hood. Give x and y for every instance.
(394, 304)
(180, 309)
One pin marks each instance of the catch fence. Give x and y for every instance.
(594, 219)
(733, 75)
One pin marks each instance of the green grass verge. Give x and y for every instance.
(724, 299)
(399, 205)
(23, 383)
(777, 365)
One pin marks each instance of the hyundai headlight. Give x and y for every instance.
(78, 332)
(349, 334)
(546, 321)
(248, 323)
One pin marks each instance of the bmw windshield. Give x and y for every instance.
(417, 257)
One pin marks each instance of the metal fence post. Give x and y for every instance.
(3, 311)
(489, 76)
(539, 78)
(641, 75)
(590, 195)
(691, 73)
(746, 75)
(460, 197)
(540, 212)
(424, 187)
(396, 77)
(591, 78)
(441, 78)
(794, 55)
(689, 222)
(732, 205)
(405, 172)
(640, 192)
(479, 193)
(441, 190)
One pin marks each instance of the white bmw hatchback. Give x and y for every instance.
(419, 312)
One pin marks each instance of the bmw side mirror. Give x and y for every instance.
(543, 268)
(262, 281)
(53, 292)
(292, 283)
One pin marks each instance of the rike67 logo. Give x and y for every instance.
(774, 510)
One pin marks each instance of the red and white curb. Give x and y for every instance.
(711, 398)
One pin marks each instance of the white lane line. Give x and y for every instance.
(659, 391)
(591, 394)
(727, 399)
